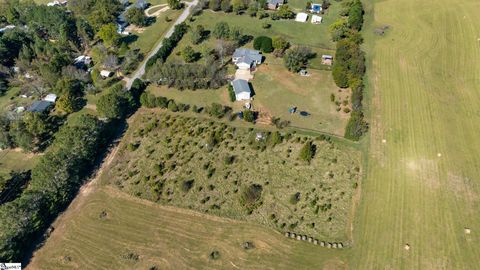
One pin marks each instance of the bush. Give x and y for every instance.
(307, 152)
(263, 43)
(231, 93)
(251, 196)
(295, 198)
(187, 185)
(248, 116)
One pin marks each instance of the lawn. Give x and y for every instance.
(151, 35)
(422, 185)
(169, 158)
(167, 238)
(16, 160)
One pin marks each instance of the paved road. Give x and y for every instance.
(141, 70)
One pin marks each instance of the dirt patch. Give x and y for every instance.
(135, 29)
(462, 187)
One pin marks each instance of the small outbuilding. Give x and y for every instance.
(301, 17)
(327, 60)
(106, 73)
(316, 19)
(50, 98)
(242, 89)
(40, 106)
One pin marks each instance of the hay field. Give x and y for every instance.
(168, 238)
(422, 185)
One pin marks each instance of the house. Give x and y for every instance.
(106, 73)
(121, 23)
(274, 4)
(301, 17)
(316, 19)
(241, 89)
(327, 60)
(40, 106)
(246, 59)
(82, 60)
(50, 98)
(316, 8)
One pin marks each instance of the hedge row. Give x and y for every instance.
(168, 44)
(349, 69)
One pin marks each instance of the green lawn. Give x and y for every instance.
(16, 160)
(152, 34)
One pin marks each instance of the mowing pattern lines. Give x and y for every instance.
(422, 183)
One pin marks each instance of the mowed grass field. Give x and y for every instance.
(422, 185)
(168, 238)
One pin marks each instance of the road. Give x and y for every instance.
(141, 69)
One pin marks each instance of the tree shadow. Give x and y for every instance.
(128, 39)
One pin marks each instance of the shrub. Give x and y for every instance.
(187, 185)
(251, 196)
(295, 198)
(266, 25)
(307, 152)
(248, 116)
(263, 43)
(231, 93)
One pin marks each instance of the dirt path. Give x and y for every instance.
(158, 12)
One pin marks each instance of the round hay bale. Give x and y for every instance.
(292, 235)
(334, 245)
(315, 241)
(322, 244)
(310, 239)
(340, 245)
(467, 231)
(304, 237)
(299, 237)
(407, 247)
(287, 234)
(329, 245)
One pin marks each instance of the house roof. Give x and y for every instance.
(244, 51)
(327, 56)
(240, 86)
(39, 106)
(275, 2)
(247, 56)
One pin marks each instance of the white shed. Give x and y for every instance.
(301, 17)
(106, 73)
(51, 98)
(316, 19)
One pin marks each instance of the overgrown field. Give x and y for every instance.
(227, 171)
(422, 186)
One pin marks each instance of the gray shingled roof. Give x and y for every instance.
(240, 86)
(251, 54)
(39, 106)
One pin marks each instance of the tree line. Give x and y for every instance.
(349, 65)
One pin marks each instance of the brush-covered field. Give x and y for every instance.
(229, 171)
